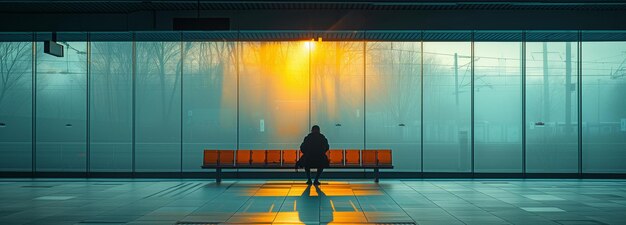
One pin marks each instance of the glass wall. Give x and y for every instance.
(497, 107)
(551, 107)
(273, 94)
(110, 106)
(447, 101)
(392, 93)
(158, 106)
(61, 100)
(603, 106)
(16, 65)
(337, 92)
(209, 100)
(152, 102)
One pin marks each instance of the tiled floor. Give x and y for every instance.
(146, 201)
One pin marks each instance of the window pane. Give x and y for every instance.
(393, 76)
(157, 118)
(447, 99)
(209, 100)
(337, 78)
(16, 106)
(61, 108)
(274, 94)
(497, 107)
(604, 108)
(111, 106)
(551, 107)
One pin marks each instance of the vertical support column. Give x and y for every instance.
(237, 56)
(88, 110)
(134, 102)
(376, 174)
(472, 102)
(523, 67)
(181, 101)
(422, 104)
(364, 90)
(580, 105)
(310, 60)
(34, 105)
(218, 175)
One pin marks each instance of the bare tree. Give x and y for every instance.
(15, 66)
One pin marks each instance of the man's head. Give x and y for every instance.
(315, 129)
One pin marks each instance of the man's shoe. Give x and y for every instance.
(308, 182)
(316, 183)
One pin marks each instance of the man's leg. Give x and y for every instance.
(317, 175)
(307, 170)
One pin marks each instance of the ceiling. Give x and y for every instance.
(130, 6)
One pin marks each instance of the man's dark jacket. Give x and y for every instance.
(314, 149)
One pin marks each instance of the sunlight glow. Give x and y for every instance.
(309, 45)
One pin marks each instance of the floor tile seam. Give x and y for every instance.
(189, 190)
(480, 208)
(281, 204)
(164, 190)
(173, 190)
(403, 210)
(214, 197)
(357, 201)
(244, 203)
(438, 205)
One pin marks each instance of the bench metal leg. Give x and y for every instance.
(218, 176)
(376, 175)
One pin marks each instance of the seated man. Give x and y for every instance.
(314, 149)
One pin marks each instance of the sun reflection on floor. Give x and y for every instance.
(289, 202)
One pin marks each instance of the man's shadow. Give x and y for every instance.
(308, 207)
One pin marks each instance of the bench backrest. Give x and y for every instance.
(337, 157)
(368, 157)
(243, 157)
(272, 157)
(210, 157)
(290, 157)
(353, 157)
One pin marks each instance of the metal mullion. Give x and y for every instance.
(422, 104)
(134, 87)
(88, 111)
(472, 101)
(34, 104)
(523, 65)
(580, 106)
(181, 102)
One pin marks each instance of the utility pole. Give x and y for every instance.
(456, 78)
(568, 87)
(546, 85)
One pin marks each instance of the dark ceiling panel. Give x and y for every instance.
(127, 6)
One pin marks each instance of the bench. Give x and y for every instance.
(375, 159)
